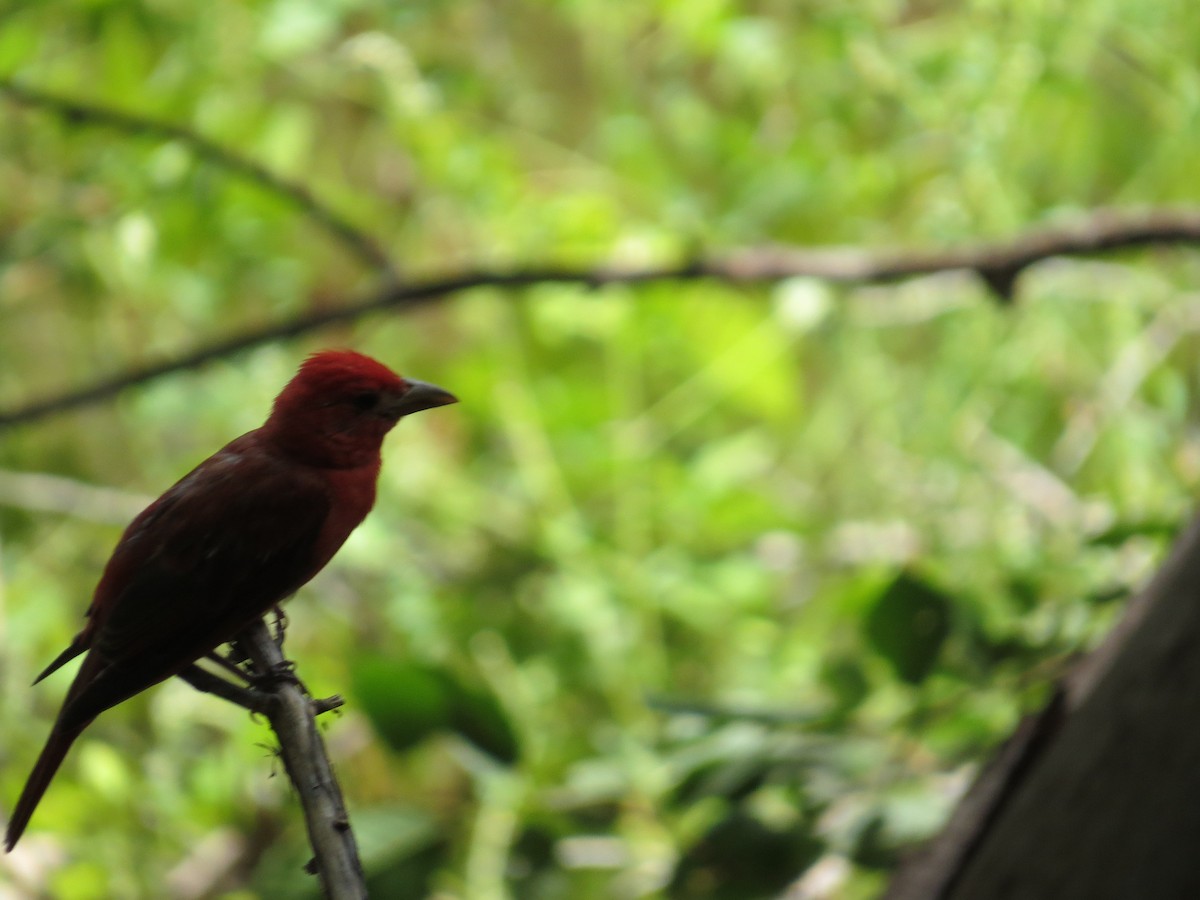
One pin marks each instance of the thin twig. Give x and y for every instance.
(292, 718)
(44, 492)
(353, 238)
(212, 683)
(998, 264)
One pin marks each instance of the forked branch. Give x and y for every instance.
(280, 697)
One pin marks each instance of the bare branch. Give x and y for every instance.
(291, 712)
(291, 715)
(53, 493)
(999, 264)
(212, 683)
(353, 238)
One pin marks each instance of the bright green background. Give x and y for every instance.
(749, 579)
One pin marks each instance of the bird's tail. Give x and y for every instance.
(66, 729)
(52, 756)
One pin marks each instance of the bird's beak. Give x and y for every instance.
(420, 395)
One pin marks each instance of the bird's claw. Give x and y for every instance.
(280, 625)
(281, 673)
(232, 662)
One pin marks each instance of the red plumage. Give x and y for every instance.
(234, 537)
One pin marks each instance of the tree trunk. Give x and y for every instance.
(1098, 796)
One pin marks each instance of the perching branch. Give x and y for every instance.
(211, 683)
(291, 712)
(999, 264)
(353, 238)
(335, 854)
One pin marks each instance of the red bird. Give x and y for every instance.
(237, 535)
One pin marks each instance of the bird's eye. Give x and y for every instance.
(367, 400)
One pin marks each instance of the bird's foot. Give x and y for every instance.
(231, 663)
(280, 673)
(280, 624)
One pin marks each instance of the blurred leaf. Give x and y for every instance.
(845, 678)
(478, 716)
(1024, 591)
(907, 626)
(872, 848)
(1109, 594)
(402, 850)
(1120, 532)
(406, 702)
(741, 858)
(407, 877)
(730, 779)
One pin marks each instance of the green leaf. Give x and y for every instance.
(402, 850)
(406, 702)
(847, 682)
(740, 858)
(477, 715)
(908, 625)
(1120, 532)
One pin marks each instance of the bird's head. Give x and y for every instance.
(337, 409)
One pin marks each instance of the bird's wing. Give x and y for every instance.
(230, 540)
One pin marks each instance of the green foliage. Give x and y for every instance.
(408, 702)
(908, 624)
(726, 583)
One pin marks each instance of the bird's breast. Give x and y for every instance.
(351, 494)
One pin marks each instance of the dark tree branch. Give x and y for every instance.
(353, 238)
(1097, 796)
(999, 264)
(280, 696)
(212, 683)
(292, 716)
